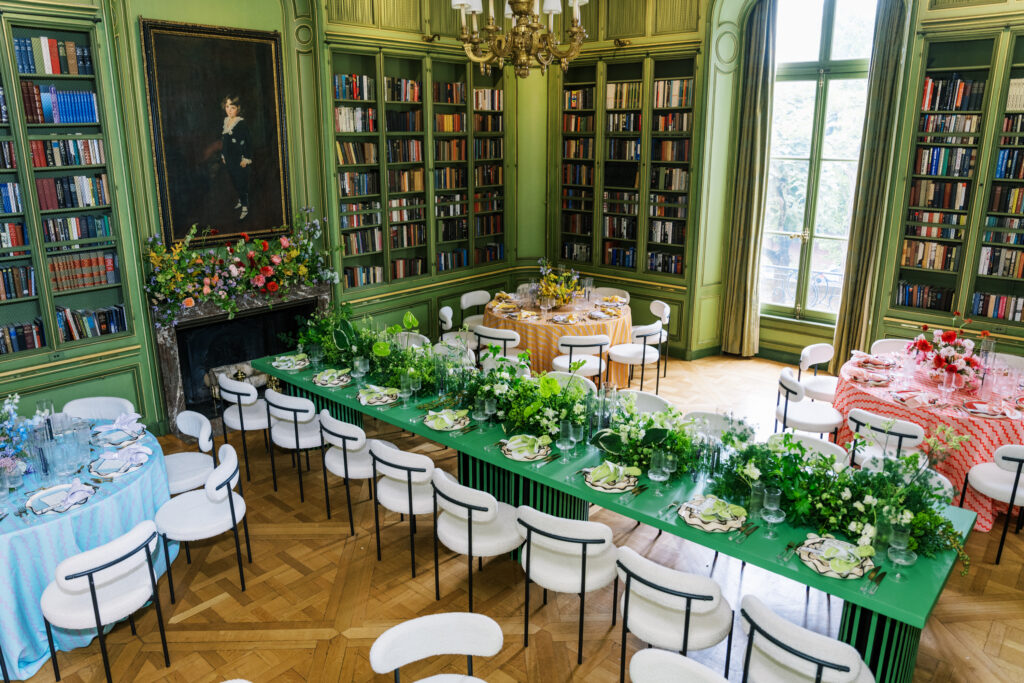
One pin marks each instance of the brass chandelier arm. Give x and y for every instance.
(526, 44)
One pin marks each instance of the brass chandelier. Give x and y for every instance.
(527, 43)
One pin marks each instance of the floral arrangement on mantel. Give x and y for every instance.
(949, 351)
(558, 283)
(183, 275)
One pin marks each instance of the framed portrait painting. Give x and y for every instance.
(217, 120)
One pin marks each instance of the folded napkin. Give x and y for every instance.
(129, 456)
(868, 360)
(614, 299)
(998, 408)
(440, 419)
(372, 391)
(525, 445)
(127, 423)
(918, 399)
(566, 318)
(77, 493)
(862, 375)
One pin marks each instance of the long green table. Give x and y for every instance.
(884, 627)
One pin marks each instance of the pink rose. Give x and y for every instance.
(206, 281)
(275, 259)
(259, 281)
(206, 289)
(284, 242)
(233, 270)
(266, 271)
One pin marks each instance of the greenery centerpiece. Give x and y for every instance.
(632, 437)
(558, 283)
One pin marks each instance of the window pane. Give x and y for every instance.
(844, 118)
(780, 263)
(786, 196)
(828, 261)
(793, 118)
(834, 207)
(798, 31)
(853, 29)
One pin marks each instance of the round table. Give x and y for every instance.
(541, 336)
(32, 546)
(986, 434)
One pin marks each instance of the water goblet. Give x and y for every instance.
(360, 366)
(564, 442)
(480, 409)
(316, 357)
(948, 385)
(670, 464)
(546, 303)
(907, 369)
(657, 473)
(44, 407)
(899, 552)
(578, 435)
(405, 389)
(772, 517)
(491, 407)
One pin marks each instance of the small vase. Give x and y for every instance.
(756, 501)
(883, 532)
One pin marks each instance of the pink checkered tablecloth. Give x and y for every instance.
(986, 434)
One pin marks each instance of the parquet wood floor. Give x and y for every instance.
(316, 599)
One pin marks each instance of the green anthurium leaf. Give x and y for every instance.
(409, 320)
(393, 329)
(382, 349)
(653, 436)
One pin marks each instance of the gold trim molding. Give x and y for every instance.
(90, 358)
(974, 333)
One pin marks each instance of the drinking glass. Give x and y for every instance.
(360, 366)
(64, 449)
(405, 389)
(657, 472)
(4, 491)
(907, 370)
(587, 284)
(44, 407)
(564, 442)
(578, 434)
(491, 407)
(670, 464)
(546, 303)
(316, 357)
(773, 517)
(948, 385)
(899, 553)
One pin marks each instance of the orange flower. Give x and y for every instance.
(984, 333)
(189, 302)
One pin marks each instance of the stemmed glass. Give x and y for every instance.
(899, 553)
(657, 472)
(415, 382)
(546, 303)
(316, 357)
(575, 435)
(480, 409)
(907, 369)
(670, 464)
(948, 385)
(565, 443)
(360, 366)
(771, 512)
(490, 407)
(405, 389)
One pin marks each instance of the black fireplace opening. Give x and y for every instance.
(243, 338)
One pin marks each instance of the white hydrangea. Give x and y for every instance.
(858, 506)
(846, 494)
(870, 500)
(751, 471)
(906, 517)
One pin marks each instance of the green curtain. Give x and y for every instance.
(867, 230)
(741, 317)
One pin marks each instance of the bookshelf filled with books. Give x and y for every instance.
(577, 202)
(61, 252)
(420, 155)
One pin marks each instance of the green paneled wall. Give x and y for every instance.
(626, 18)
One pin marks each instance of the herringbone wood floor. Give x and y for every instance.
(316, 598)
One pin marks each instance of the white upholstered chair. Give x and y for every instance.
(245, 412)
(663, 313)
(661, 666)
(883, 346)
(587, 348)
(189, 470)
(346, 454)
(597, 293)
(1000, 480)
(817, 387)
(569, 379)
(98, 407)
(883, 436)
(408, 339)
(645, 401)
(403, 487)
(449, 335)
(715, 424)
(474, 301)
(295, 428)
(638, 352)
(452, 633)
(792, 411)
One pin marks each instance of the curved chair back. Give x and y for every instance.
(110, 562)
(598, 292)
(814, 355)
(408, 340)
(790, 386)
(560, 535)
(775, 645)
(224, 477)
(478, 297)
(567, 378)
(198, 427)
(715, 424)
(400, 465)
(885, 431)
(817, 447)
(234, 391)
(343, 435)
(661, 310)
(646, 402)
(661, 666)
(1012, 360)
(455, 352)
(506, 339)
(584, 345)
(445, 315)
(98, 407)
(462, 501)
(643, 333)
(883, 346)
(454, 633)
(289, 408)
(1010, 457)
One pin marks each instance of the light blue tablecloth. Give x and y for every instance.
(32, 547)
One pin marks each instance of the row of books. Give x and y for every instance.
(73, 271)
(1015, 95)
(449, 260)
(450, 93)
(450, 204)
(623, 95)
(363, 241)
(487, 202)
(42, 55)
(666, 232)
(489, 224)
(620, 227)
(404, 121)
(1007, 199)
(408, 235)
(494, 251)
(1001, 262)
(453, 229)
(408, 267)
(450, 150)
(938, 217)
(356, 152)
(72, 192)
(670, 150)
(406, 209)
(627, 207)
(450, 123)
(17, 282)
(948, 161)
(578, 223)
(354, 87)
(402, 90)
(932, 231)
(678, 122)
(677, 212)
(354, 184)
(402, 151)
(949, 123)
(577, 199)
(940, 194)
(932, 297)
(54, 153)
(488, 123)
(624, 150)
(21, 336)
(999, 306)
(952, 93)
(13, 235)
(489, 174)
(1013, 123)
(624, 122)
(489, 148)
(578, 148)
(488, 99)
(451, 177)
(359, 220)
(674, 92)
(577, 174)
(4, 114)
(7, 157)
(578, 123)
(622, 257)
(75, 228)
(576, 251)
(83, 324)
(673, 179)
(47, 104)
(1010, 163)
(578, 98)
(406, 180)
(355, 120)
(357, 276)
(1003, 237)
(10, 197)
(665, 262)
(930, 255)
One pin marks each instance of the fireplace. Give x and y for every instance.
(206, 337)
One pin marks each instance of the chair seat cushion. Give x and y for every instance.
(592, 365)
(634, 354)
(820, 388)
(192, 516)
(865, 452)
(283, 434)
(117, 600)
(499, 536)
(254, 414)
(360, 464)
(770, 670)
(991, 480)
(394, 495)
(809, 417)
(461, 338)
(662, 627)
(561, 572)
(187, 471)
(471, 321)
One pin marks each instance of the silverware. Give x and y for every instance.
(878, 582)
(870, 579)
(633, 494)
(733, 535)
(746, 534)
(546, 460)
(781, 557)
(673, 504)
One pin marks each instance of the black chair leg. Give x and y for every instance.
(615, 600)
(412, 543)
(188, 553)
(963, 494)
(579, 654)
(728, 646)
(1006, 527)
(3, 667)
(327, 495)
(470, 582)
(238, 556)
(131, 623)
(1020, 519)
(106, 657)
(53, 652)
(302, 495)
(376, 523)
(526, 616)
(248, 545)
(167, 560)
(348, 499)
(245, 454)
(437, 577)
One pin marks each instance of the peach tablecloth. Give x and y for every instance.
(541, 337)
(986, 434)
